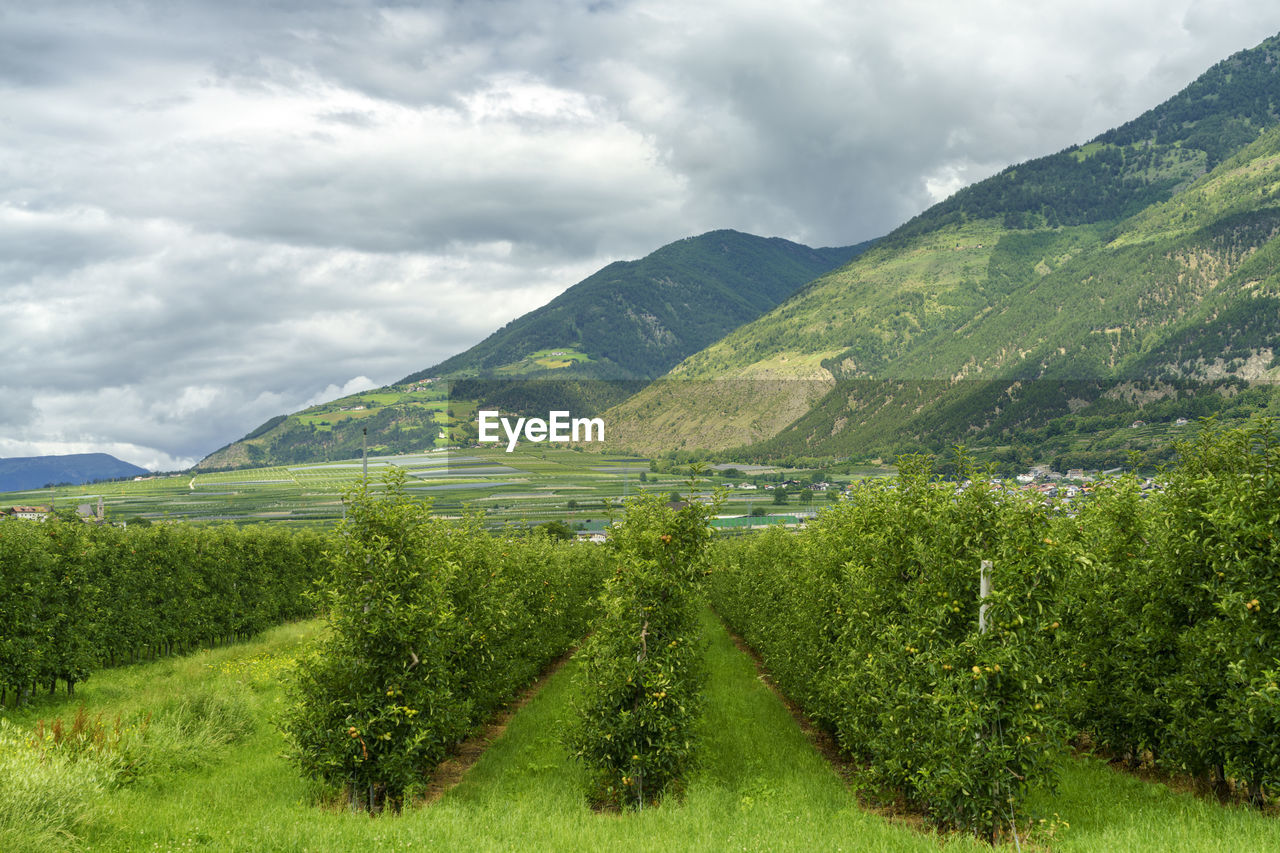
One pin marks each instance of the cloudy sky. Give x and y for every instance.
(215, 212)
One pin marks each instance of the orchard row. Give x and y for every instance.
(433, 624)
(953, 640)
(1150, 624)
(76, 598)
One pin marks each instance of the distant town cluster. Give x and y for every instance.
(88, 513)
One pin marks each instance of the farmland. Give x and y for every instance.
(761, 784)
(546, 359)
(530, 485)
(956, 709)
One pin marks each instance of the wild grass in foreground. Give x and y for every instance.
(759, 786)
(63, 761)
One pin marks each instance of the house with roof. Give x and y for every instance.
(31, 513)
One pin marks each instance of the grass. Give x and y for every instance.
(163, 721)
(553, 358)
(1110, 810)
(42, 803)
(760, 784)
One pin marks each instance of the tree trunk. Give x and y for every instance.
(1218, 783)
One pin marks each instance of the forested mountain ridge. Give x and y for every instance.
(637, 319)
(1111, 283)
(33, 472)
(593, 345)
(1141, 162)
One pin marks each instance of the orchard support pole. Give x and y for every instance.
(984, 590)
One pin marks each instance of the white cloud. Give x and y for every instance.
(333, 392)
(215, 213)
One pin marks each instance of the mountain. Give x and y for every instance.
(595, 344)
(1052, 306)
(638, 319)
(20, 473)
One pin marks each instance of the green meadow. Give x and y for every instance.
(553, 358)
(210, 774)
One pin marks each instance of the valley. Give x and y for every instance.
(532, 485)
(960, 538)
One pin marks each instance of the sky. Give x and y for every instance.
(216, 212)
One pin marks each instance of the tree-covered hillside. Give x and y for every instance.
(1051, 306)
(1141, 162)
(595, 345)
(637, 319)
(34, 472)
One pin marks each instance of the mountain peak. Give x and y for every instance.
(626, 323)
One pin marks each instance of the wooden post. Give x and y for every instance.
(984, 590)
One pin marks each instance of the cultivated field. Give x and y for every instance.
(963, 651)
(530, 485)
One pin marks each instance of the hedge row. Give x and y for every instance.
(76, 598)
(639, 688)
(869, 620)
(433, 624)
(1147, 618)
(1174, 614)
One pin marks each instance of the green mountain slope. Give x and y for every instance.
(593, 345)
(637, 319)
(1051, 305)
(1141, 162)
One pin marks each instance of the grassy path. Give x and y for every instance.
(761, 785)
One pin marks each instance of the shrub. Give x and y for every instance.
(432, 625)
(639, 688)
(869, 620)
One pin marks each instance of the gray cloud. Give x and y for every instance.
(212, 213)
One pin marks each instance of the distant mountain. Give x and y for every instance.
(595, 344)
(1139, 163)
(637, 319)
(33, 472)
(1058, 309)
(1074, 308)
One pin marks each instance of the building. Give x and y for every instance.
(90, 514)
(31, 513)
